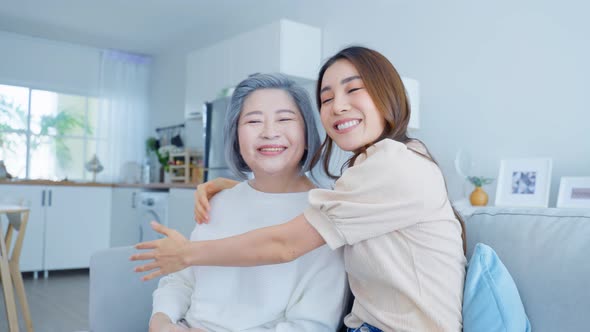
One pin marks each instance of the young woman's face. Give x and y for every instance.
(271, 133)
(347, 111)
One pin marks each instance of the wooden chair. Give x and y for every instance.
(17, 224)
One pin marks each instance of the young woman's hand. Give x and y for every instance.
(167, 253)
(204, 193)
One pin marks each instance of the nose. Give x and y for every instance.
(340, 105)
(269, 130)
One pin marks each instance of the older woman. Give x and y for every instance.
(270, 131)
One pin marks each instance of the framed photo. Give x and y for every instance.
(524, 182)
(574, 192)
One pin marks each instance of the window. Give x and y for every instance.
(45, 134)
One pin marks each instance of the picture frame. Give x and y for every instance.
(524, 182)
(574, 192)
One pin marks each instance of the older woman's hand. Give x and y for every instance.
(204, 193)
(167, 253)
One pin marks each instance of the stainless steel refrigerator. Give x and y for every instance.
(213, 123)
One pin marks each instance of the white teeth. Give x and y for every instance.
(347, 124)
(272, 149)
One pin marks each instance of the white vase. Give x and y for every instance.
(167, 177)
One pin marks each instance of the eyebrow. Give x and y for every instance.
(344, 81)
(277, 111)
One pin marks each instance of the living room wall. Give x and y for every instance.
(498, 79)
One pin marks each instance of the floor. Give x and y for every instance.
(57, 304)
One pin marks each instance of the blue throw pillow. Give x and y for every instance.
(490, 299)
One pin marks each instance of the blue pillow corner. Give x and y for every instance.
(491, 301)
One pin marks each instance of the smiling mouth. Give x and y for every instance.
(271, 150)
(345, 125)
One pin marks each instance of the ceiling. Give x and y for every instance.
(144, 26)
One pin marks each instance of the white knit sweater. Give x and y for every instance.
(304, 295)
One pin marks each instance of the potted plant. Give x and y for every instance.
(152, 146)
(479, 197)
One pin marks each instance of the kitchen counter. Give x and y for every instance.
(100, 184)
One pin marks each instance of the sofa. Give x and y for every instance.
(545, 251)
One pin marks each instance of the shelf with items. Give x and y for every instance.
(186, 167)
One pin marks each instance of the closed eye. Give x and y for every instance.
(286, 119)
(254, 121)
(353, 90)
(326, 100)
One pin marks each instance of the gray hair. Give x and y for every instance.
(268, 81)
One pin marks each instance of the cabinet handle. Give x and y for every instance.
(43, 198)
(49, 198)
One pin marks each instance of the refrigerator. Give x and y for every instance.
(214, 157)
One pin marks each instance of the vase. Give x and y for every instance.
(478, 197)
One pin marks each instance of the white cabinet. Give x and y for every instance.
(124, 217)
(181, 203)
(66, 225)
(283, 46)
(31, 258)
(78, 224)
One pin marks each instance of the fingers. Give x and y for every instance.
(143, 256)
(147, 245)
(201, 215)
(152, 275)
(160, 228)
(204, 202)
(147, 267)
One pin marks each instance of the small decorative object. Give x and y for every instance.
(574, 192)
(3, 172)
(524, 182)
(94, 166)
(479, 197)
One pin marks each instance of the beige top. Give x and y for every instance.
(404, 254)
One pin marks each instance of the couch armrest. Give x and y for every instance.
(119, 300)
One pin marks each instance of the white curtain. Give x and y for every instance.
(123, 111)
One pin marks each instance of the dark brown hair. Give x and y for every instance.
(386, 89)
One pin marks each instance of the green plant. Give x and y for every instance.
(151, 145)
(479, 181)
(58, 126)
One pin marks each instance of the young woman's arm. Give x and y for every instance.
(270, 245)
(204, 193)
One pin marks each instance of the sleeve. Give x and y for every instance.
(319, 300)
(392, 188)
(173, 295)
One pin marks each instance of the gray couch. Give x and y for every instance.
(545, 250)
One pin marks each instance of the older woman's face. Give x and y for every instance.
(271, 133)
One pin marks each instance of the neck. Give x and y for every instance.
(279, 183)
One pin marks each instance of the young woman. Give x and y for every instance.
(270, 131)
(403, 242)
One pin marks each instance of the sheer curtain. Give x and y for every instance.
(123, 111)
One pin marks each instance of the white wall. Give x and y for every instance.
(168, 90)
(46, 64)
(500, 79)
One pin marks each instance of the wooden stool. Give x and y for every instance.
(18, 217)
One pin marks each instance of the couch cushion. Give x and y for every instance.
(491, 301)
(119, 300)
(546, 252)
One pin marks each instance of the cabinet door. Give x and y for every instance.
(78, 224)
(124, 217)
(255, 51)
(181, 204)
(31, 258)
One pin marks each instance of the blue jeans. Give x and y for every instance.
(365, 328)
